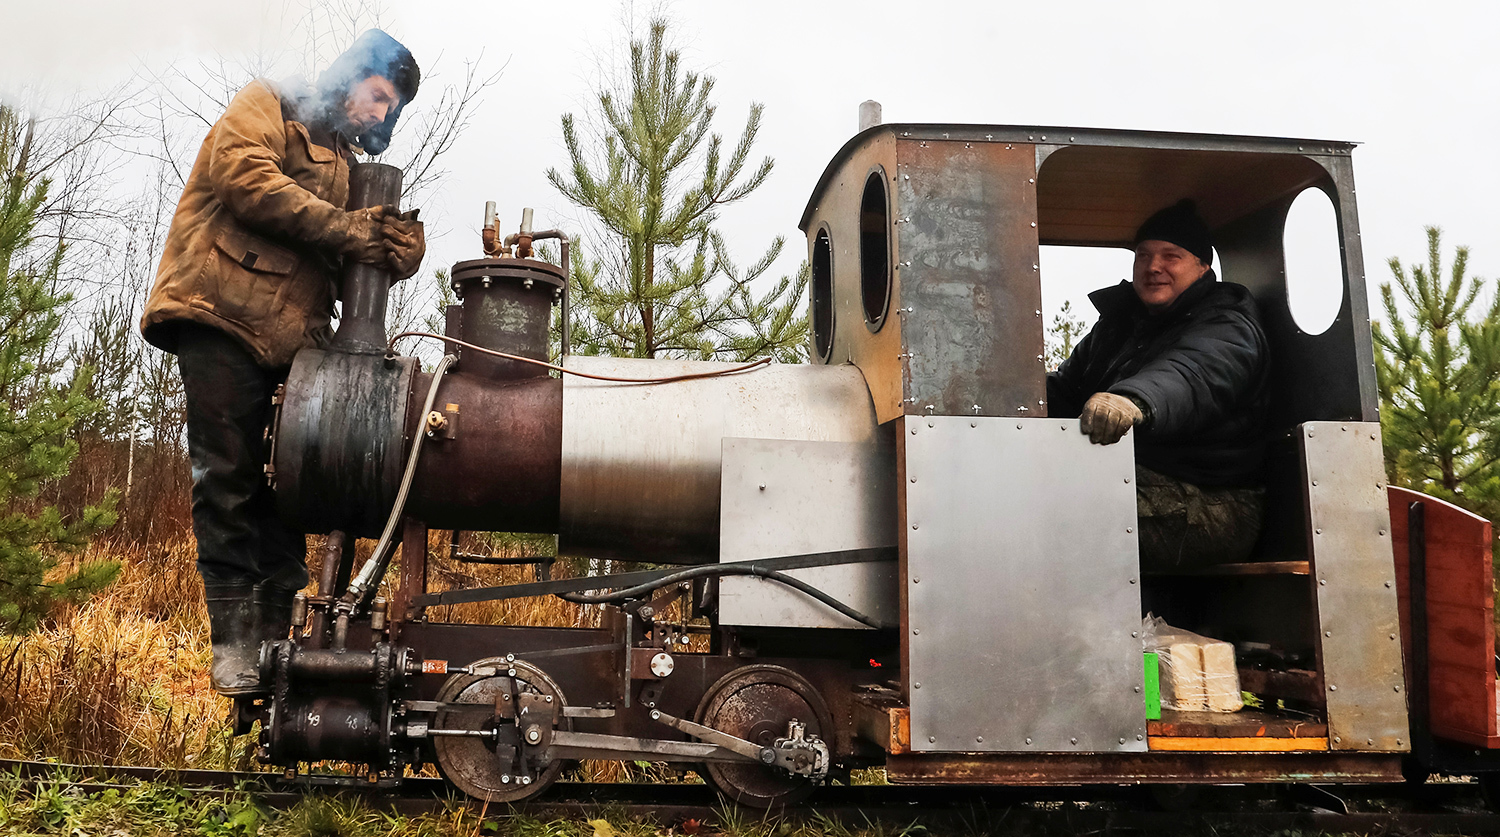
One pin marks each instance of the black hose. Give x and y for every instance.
(721, 570)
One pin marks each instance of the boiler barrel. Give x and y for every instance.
(628, 471)
(641, 462)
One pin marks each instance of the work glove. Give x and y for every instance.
(357, 235)
(1106, 417)
(405, 244)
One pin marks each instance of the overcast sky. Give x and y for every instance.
(1415, 83)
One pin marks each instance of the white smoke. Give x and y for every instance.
(60, 48)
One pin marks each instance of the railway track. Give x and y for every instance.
(1443, 808)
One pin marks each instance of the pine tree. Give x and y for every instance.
(662, 282)
(36, 416)
(1437, 371)
(1063, 335)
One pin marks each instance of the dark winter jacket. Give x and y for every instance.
(1199, 369)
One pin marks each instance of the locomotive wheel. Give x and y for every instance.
(756, 703)
(471, 763)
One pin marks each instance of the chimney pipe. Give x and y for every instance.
(869, 114)
(365, 287)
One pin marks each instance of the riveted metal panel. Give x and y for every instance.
(1021, 583)
(781, 497)
(970, 288)
(1349, 531)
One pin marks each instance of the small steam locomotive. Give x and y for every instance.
(898, 558)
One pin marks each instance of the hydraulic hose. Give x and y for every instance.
(722, 570)
(355, 599)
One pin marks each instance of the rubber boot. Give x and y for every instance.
(273, 611)
(236, 642)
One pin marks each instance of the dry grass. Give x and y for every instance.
(123, 679)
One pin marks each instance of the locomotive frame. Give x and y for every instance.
(904, 500)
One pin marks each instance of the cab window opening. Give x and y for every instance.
(875, 250)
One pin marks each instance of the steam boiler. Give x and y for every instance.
(901, 559)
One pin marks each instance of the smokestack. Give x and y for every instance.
(366, 286)
(869, 114)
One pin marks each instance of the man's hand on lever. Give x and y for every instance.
(1107, 417)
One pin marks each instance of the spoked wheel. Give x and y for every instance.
(511, 769)
(757, 703)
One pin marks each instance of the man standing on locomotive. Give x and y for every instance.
(247, 279)
(1181, 357)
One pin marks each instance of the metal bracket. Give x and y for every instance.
(749, 750)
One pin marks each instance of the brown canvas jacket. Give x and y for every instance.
(243, 253)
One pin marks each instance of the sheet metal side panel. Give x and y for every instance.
(783, 497)
(877, 354)
(1354, 571)
(969, 278)
(641, 462)
(1358, 305)
(1021, 585)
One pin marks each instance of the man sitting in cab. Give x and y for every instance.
(1182, 358)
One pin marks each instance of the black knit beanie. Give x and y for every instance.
(1179, 224)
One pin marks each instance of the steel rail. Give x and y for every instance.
(1451, 807)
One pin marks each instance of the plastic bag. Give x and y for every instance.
(1198, 674)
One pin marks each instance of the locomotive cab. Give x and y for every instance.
(1017, 536)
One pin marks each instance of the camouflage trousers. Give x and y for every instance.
(1185, 527)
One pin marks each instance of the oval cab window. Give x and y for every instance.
(1314, 263)
(875, 250)
(822, 295)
